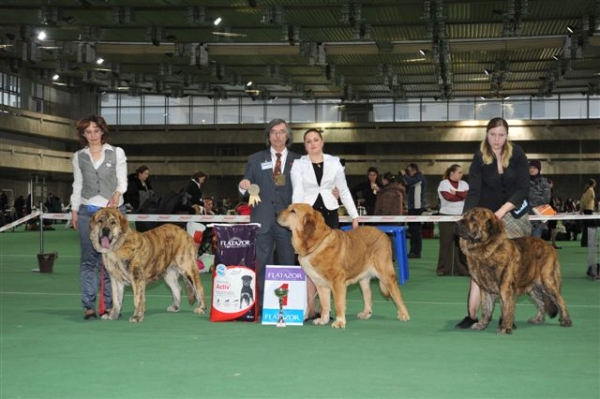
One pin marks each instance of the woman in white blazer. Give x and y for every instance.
(314, 177)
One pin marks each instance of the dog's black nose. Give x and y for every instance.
(105, 232)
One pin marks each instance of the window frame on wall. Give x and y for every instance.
(195, 110)
(10, 91)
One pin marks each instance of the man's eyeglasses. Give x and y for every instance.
(278, 132)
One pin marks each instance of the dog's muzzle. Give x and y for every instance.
(105, 238)
(462, 231)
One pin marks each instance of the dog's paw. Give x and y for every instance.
(478, 326)
(321, 321)
(536, 320)
(199, 310)
(403, 316)
(339, 323)
(173, 309)
(111, 316)
(565, 322)
(502, 330)
(136, 319)
(364, 315)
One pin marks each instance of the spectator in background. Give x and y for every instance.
(20, 206)
(139, 188)
(499, 181)
(3, 201)
(53, 204)
(417, 187)
(556, 205)
(587, 204)
(390, 200)
(570, 205)
(29, 204)
(209, 206)
(452, 192)
(270, 170)
(539, 194)
(194, 187)
(366, 192)
(99, 181)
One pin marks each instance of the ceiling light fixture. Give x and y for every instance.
(41, 35)
(56, 76)
(217, 21)
(249, 83)
(100, 61)
(570, 29)
(422, 52)
(486, 71)
(229, 34)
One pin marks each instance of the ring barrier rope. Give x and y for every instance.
(246, 219)
(24, 219)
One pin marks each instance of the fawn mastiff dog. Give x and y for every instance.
(136, 259)
(507, 268)
(334, 259)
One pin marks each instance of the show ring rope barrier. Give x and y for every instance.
(246, 219)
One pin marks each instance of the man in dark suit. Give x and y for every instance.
(270, 170)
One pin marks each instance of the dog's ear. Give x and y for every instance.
(494, 226)
(123, 222)
(309, 225)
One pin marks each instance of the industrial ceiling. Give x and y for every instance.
(349, 49)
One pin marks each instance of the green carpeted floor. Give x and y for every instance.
(49, 351)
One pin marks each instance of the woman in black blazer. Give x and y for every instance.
(194, 187)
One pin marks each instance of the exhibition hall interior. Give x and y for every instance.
(189, 86)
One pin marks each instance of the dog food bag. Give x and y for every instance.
(234, 276)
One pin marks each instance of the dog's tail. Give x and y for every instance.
(552, 291)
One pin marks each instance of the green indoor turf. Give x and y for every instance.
(49, 351)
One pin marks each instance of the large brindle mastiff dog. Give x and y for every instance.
(334, 259)
(510, 267)
(136, 259)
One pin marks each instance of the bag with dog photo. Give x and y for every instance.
(234, 276)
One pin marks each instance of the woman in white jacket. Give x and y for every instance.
(315, 176)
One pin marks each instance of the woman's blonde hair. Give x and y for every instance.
(486, 149)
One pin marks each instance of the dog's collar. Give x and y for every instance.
(319, 244)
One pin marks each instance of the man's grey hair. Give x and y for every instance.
(275, 122)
